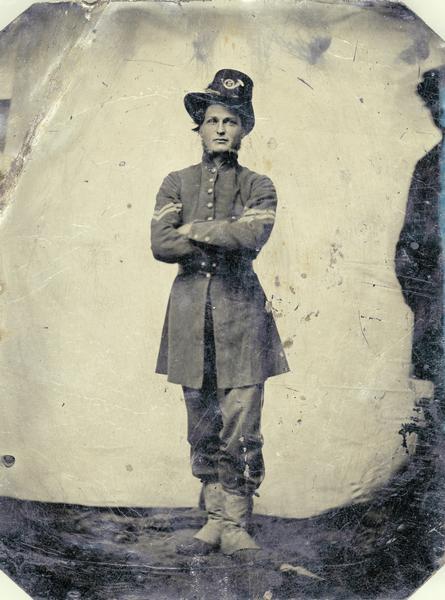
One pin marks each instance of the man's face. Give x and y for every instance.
(221, 130)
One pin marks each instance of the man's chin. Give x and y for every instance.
(219, 149)
(223, 150)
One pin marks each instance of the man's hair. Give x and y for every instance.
(199, 118)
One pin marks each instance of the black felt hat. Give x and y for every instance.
(230, 88)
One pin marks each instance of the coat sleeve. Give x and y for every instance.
(166, 243)
(250, 230)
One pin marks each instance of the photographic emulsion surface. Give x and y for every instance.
(221, 280)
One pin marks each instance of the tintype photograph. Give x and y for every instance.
(221, 282)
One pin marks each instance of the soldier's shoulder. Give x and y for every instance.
(432, 156)
(253, 177)
(175, 178)
(427, 168)
(188, 170)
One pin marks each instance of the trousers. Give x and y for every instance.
(224, 436)
(224, 428)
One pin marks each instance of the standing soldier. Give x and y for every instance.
(418, 260)
(219, 339)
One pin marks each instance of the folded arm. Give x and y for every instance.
(167, 243)
(250, 230)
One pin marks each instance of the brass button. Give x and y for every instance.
(208, 275)
(203, 264)
(196, 236)
(209, 218)
(207, 239)
(211, 179)
(210, 191)
(213, 264)
(210, 204)
(213, 170)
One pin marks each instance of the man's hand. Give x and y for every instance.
(184, 229)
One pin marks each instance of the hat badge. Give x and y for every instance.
(229, 84)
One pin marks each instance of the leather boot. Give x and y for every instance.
(208, 538)
(234, 537)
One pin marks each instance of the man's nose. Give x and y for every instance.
(221, 127)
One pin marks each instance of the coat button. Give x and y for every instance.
(211, 179)
(213, 264)
(209, 218)
(209, 204)
(203, 264)
(213, 170)
(207, 239)
(208, 275)
(210, 191)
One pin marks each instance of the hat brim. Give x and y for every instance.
(197, 102)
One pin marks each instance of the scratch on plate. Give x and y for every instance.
(361, 328)
(305, 82)
(39, 288)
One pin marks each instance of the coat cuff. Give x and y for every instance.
(199, 231)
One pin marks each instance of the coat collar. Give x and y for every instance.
(230, 161)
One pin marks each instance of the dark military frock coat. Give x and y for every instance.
(232, 211)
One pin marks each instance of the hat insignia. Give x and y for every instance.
(229, 84)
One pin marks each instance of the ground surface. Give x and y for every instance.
(60, 552)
